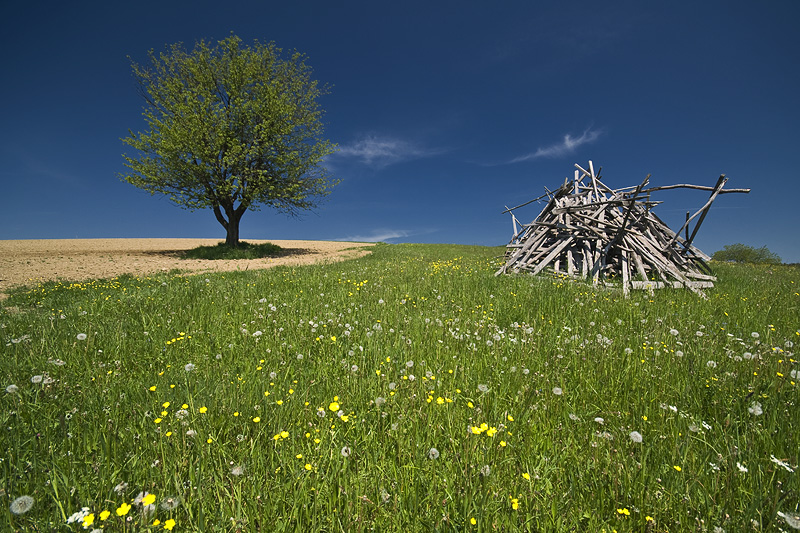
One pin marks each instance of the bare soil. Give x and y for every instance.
(27, 262)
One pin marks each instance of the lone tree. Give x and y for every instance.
(232, 128)
(741, 253)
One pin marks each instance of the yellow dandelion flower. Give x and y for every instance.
(676, 467)
(153, 388)
(105, 514)
(473, 521)
(279, 402)
(149, 499)
(308, 466)
(334, 406)
(157, 420)
(209, 440)
(203, 409)
(526, 476)
(184, 406)
(169, 524)
(624, 511)
(257, 419)
(284, 434)
(123, 509)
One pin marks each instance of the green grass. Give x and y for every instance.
(245, 250)
(449, 396)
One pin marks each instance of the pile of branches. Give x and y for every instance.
(589, 230)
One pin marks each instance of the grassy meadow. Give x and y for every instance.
(409, 390)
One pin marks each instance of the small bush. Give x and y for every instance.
(741, 253)
(245, 250)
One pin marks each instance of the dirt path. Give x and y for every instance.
(28, 262)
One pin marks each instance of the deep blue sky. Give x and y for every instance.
(444, 112)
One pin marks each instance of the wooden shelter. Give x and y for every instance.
(588, 230)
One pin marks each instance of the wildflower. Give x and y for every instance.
(189, 367)
(346, 451)
(88, 520)
(169, 524)
(11, 389)
(321, 412)
(557, 391)
(792, 519)
(104, 514)
(514, 503)
(123, 509)
(755, 409)
(433, 453)
(180, 414)
(78, 516)
(741, 467)
(485, 470)
(81, 336)
(649, 519)
(676, 467)
(22, 504)
(624, 511)
(781, 463)
(599, 420)
(636, 436)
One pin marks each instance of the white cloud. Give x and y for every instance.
(379, 235)
(567, 146)
(383, 151)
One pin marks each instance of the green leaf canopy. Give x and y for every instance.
(231, 128)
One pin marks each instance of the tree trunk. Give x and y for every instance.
(231, 224)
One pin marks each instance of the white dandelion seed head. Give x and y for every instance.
(636, 436)
(792, 519)
(788, 344)
(191, 433)
(189, 367)
(81, 336)
(433, 453)
(11, 389)
(380, 400)
(237, 470)
(320, 412)
(755, 409)
(346, 451)
(22, 504)
(557, 391)
(483, 387)
(699, 333)
(673, 332)
(628, 351)
(574, 417)
(37, 379)
(711, 364)
(485, 470)
(599, 420)
(755, 335)
(354, 368)
(121, 487)
(794, 374)
(409, 364)
(679, 353)
(172, 502)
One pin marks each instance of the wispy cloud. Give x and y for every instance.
(383, 151)
(378, 235)
(565, 147)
